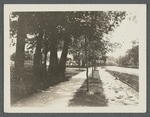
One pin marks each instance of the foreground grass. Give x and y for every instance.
(131, 80)
(94, 98)
(30, 84)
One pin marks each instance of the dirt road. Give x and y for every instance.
(123, 70)
(118, 93)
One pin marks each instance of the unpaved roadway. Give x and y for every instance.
(132, 71)
(118, 93)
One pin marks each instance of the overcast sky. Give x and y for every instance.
(124, 34)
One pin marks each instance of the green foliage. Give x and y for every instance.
(28, 56)
(55, 29)
(95, 25)
(134, 54)
(12, 57)
(74, 24)
(131, 58)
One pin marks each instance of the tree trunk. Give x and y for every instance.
(53, 66)
(45, 59)
(104, 61)
(92, 69)
(89, 63)
(79, 60)
(94, 64)
(63, 59)
(79, 64)
(19, 57)
(86, 59)
(38, 70)
(37, 55)
(83, 63)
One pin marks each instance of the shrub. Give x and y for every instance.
(111, 63)
(12, 57)
(28, 56)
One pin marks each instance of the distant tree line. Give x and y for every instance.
(131, 59)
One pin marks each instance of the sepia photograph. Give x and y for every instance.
(75, 58)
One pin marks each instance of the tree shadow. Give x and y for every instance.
(94, 98)
(31, 84)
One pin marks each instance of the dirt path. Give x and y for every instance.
(56, 96)
(117, 93)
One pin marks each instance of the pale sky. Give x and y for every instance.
(125, 34)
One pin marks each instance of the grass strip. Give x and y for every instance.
(131, 80)
(94, 98)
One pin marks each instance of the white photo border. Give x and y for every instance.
(141, 8)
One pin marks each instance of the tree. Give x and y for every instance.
(37, 55)
(133, 54)
(53, 31)
(20, 29)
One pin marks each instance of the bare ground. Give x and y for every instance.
(118, 93)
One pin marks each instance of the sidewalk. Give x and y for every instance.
(55, 96)
(117, 93)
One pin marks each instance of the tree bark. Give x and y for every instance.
(38, 69)
(79, 60)
(86, 59)
(92, 70)
(53, 66)
(89, 63)
(37, 55)
(19, 57)
(93, 63)
(63, 59)
(45, 59)
(83, 63)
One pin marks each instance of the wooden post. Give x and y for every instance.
(86, 65)
(93, 65)
(92, 69)
(93, 62)
(79, 63)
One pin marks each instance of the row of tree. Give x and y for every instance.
(74, 32)
(131, 59)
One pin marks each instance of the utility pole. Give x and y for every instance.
(86, 65)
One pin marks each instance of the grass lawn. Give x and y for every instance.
(131, 80)
(72, 72)
(94, 98)
(31, 84)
